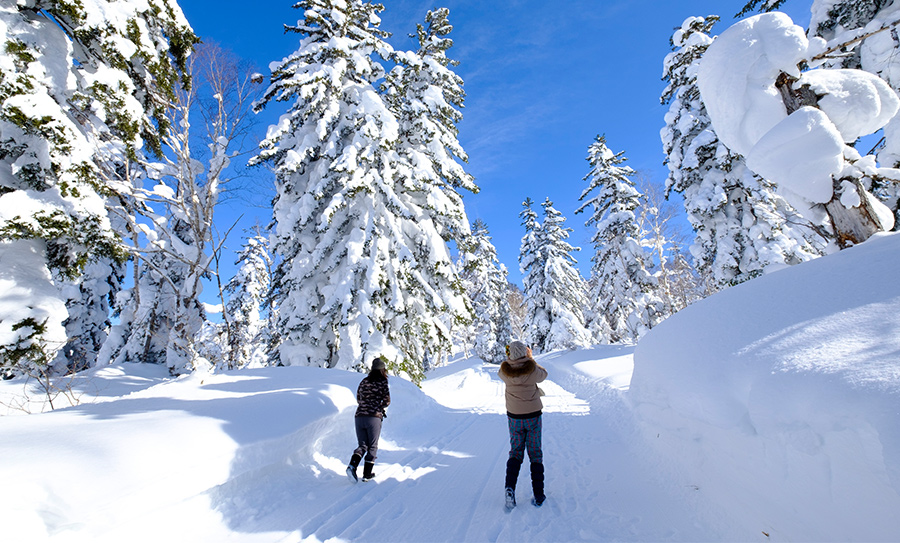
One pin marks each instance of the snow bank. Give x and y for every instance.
(779, 399)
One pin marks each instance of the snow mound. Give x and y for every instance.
(779, 398)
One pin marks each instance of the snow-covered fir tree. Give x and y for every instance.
(364, 269)
(147, 314)
(247, 292)
(861, 34)
(81, 87)
(485, 280)
(554, 290)
(515, 300)
(625, 299)
(563, 294)
(797, 126)
(531, 265)
(743, 228)
(426, 96)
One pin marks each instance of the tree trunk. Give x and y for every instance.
(850, 225)
(854, 225)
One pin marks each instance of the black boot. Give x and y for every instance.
(537, 483)
(512, 472)
(512, 475)
(367, 471)
(351, 467)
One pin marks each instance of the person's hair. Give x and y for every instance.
(378, 375)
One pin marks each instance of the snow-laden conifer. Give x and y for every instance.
(247, 292)
(531, 265)
(625, 300)
(80, 86)
(554, 291)
(426, 95)
(743, 228)
(363, 268)
(563, 293)
(796, 126)
(89, 301)
(842, 22)
(485, 280)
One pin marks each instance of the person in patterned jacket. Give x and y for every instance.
(373, 396)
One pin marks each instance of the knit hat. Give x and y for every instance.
(378, 363)
(517, 350)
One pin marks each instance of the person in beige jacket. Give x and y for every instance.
(521, 374)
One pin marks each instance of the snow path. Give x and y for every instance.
(445, 475)
(259, 456)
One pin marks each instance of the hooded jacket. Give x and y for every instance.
(521, 377)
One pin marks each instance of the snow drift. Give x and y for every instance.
(781, 398)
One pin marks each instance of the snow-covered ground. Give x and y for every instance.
(768, 412)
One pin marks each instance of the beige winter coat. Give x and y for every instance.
(521, 377)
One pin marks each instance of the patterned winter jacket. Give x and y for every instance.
(373, 397)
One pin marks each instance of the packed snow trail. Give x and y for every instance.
(259, 456)
(440, 470)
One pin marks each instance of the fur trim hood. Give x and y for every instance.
(518, 368)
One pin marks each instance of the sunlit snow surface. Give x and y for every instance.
(769, 412)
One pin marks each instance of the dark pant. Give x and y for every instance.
(368, 430)
(525, 434)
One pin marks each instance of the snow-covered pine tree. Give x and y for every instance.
(485, 280)
(247, 292)
(78, 86)
(760, 5)
(743, 227)
(515, 300)
(625, 300)
(426, 96)
(363, 268)
(562, 294)
(147, 315)
(531, 265)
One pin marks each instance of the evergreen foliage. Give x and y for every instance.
(743, 227)
(625, 301)
(485, 280)
(840, 22)
(760, 5)
(531, 265)
(554, 291)
(247, 292)
(362, 211)
(82, 86)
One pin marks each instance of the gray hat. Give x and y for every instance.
(378, 363)
(518, 350)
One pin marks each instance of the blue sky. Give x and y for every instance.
(541, 81)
